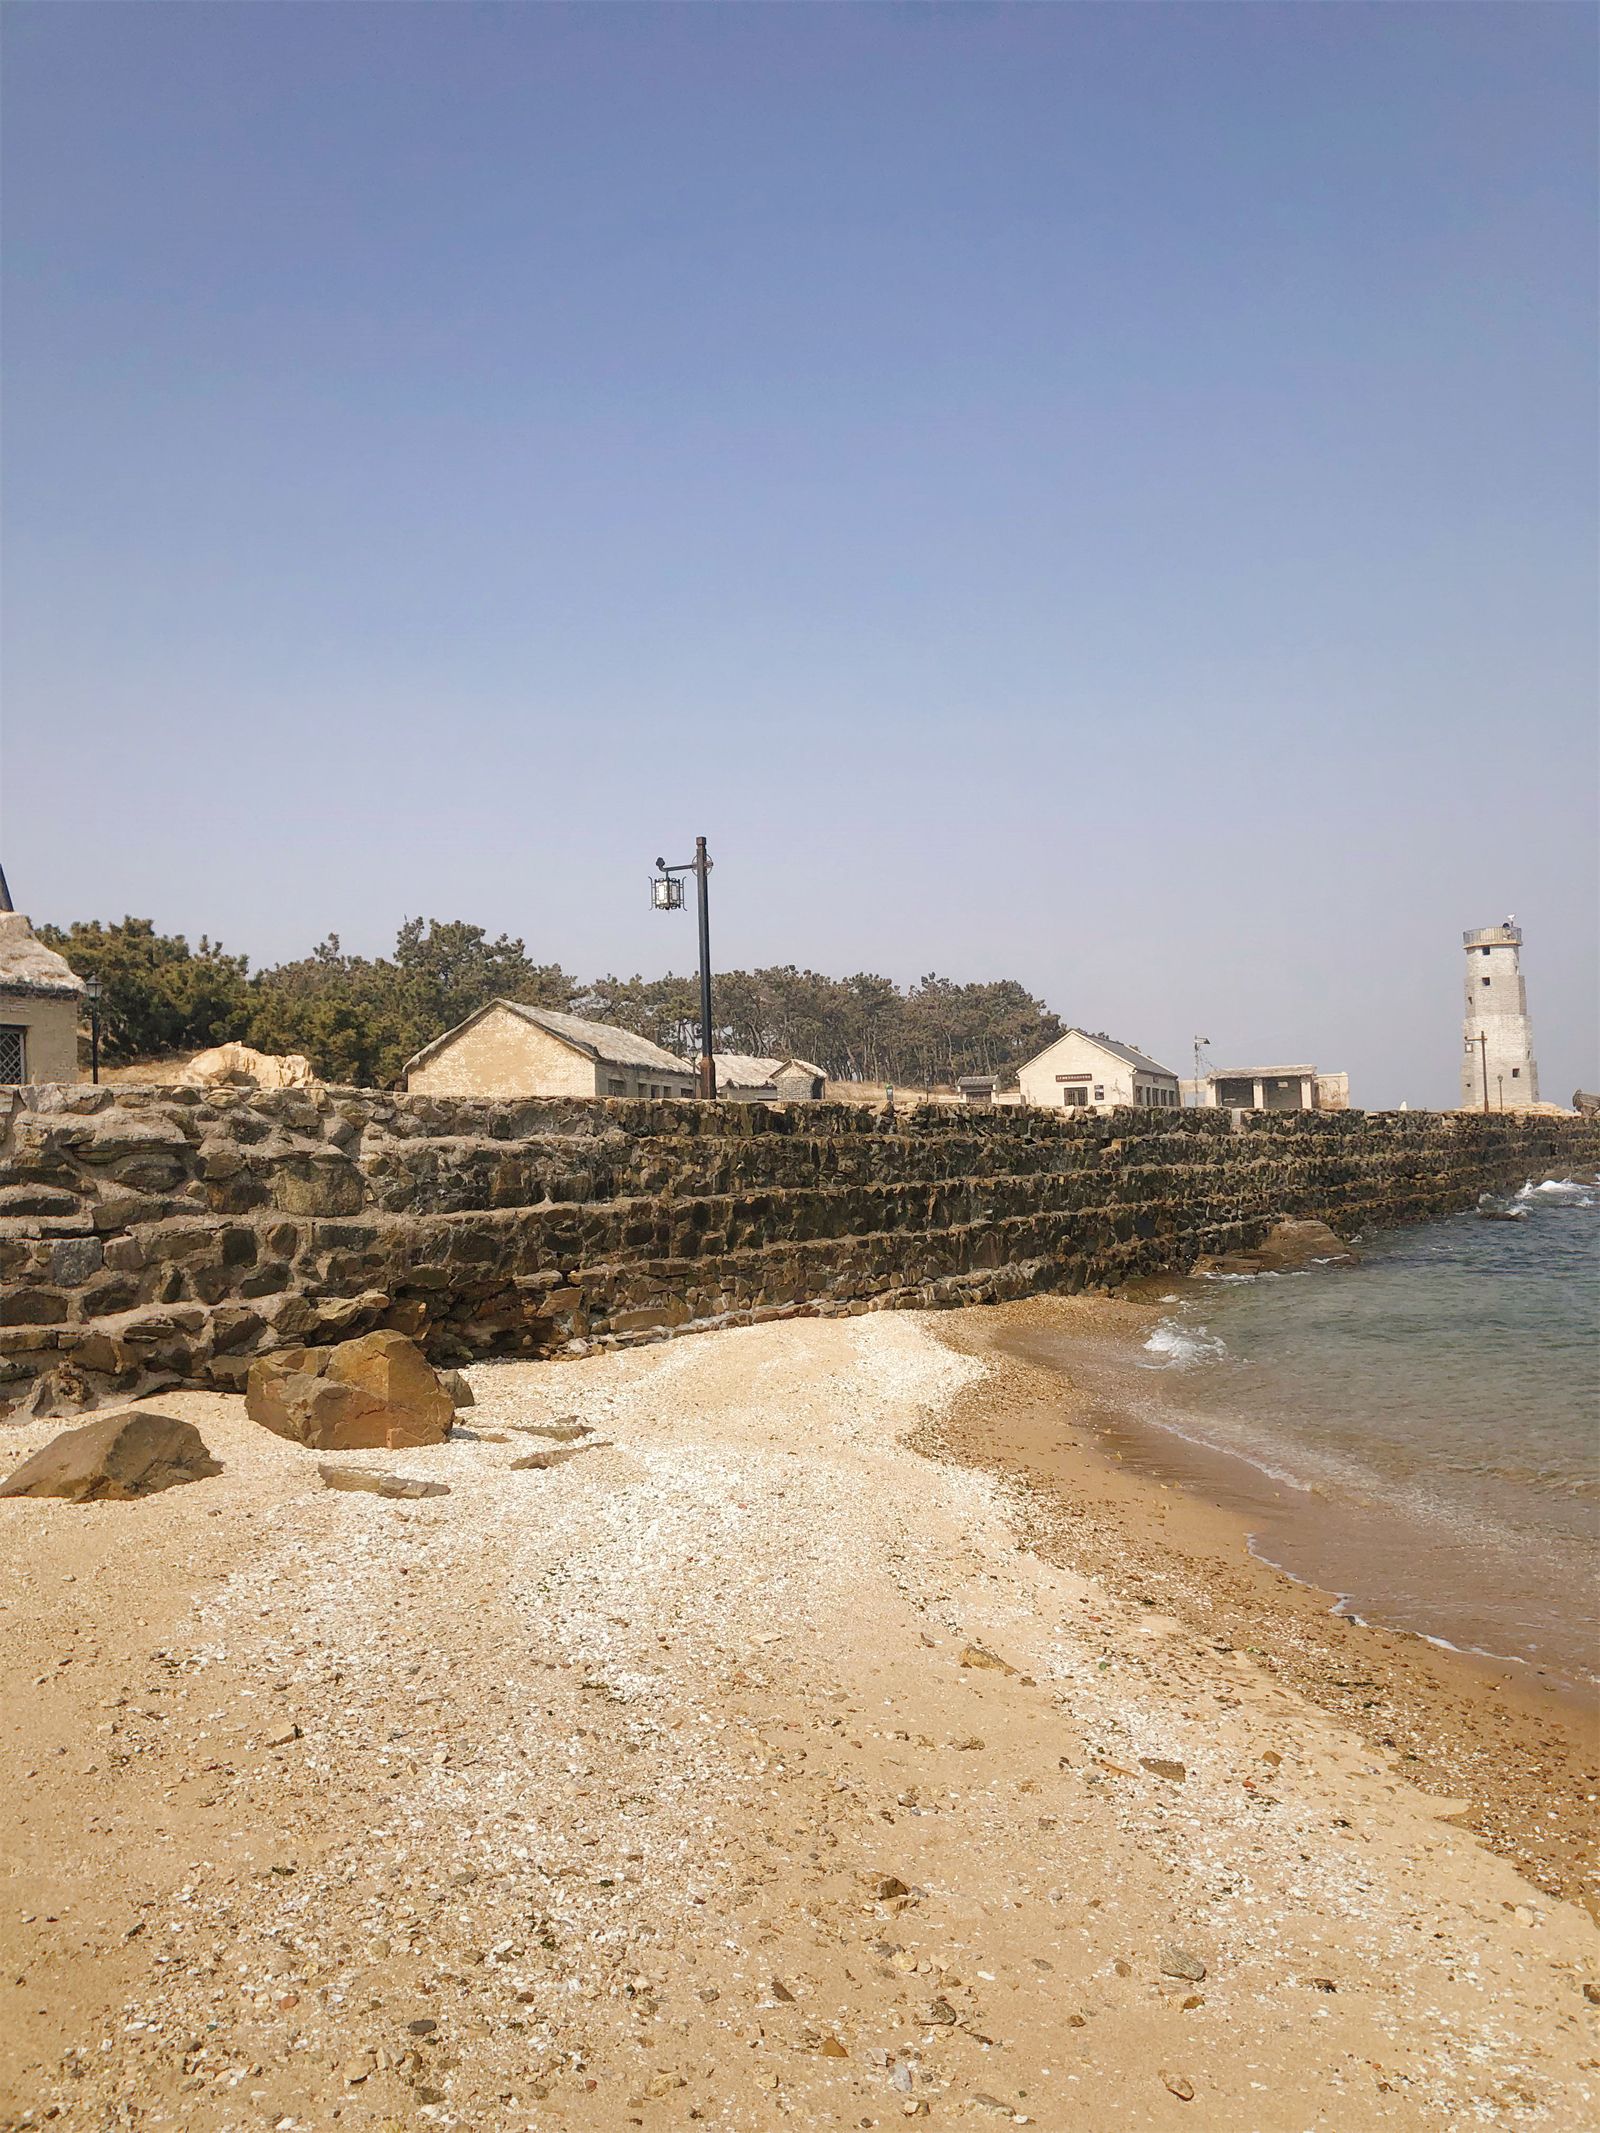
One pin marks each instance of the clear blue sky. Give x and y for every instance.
(1099, 494)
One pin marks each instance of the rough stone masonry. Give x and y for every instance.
(155, 1237)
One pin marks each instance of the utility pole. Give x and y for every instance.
(666, 894)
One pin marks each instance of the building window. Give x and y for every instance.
(1079, 1095)
(615, 1087)
(13, 1053)
(1483, 951)
(1516, 1073)
(1483, 981)
(1099, 1093)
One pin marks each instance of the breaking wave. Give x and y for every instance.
(1177, 1347)
(1559, 1192)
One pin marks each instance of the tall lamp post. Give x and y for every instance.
(92, 996)
(666, 894)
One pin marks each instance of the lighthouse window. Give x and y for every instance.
(1483, 951)
(1516, 1073)
(1483, 981)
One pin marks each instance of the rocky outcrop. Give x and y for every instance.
(238, 1066)
(153, 1237)
(132, 1453)
(1289, 1247)
(375, 1392)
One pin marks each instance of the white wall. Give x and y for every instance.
(1111, 1080)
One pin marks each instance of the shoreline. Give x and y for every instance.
(1515, 1760)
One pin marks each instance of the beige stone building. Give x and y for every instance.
(746, 1077)
(40, 1001)
(507, 1049)
(1087, 1070)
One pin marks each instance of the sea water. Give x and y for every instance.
(1421, 1432)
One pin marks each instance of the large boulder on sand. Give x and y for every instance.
(376, 1393)
(133, 1452)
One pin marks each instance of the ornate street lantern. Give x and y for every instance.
(666, 894)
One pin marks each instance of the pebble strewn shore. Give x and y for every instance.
(740, 1769)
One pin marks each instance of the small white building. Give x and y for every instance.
(748, 1077)
(1087, 1070)
(41, 997)
(507, 1049)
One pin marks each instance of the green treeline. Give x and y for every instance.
(359, 1019)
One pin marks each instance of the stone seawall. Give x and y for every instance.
(152, 1237)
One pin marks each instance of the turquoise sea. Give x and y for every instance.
(1419, 1434)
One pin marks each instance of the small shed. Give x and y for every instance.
(750, 1077)
(41, 997)
(1272, 1088)
(509, 1049)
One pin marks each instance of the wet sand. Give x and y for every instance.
(1167, 1524)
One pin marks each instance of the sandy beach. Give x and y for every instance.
(814, 1749)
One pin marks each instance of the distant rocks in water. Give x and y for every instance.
(1289, 1247)
(132, 1452)
(1492, 1210)
(376, 1393)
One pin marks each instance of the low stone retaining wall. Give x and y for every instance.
(151, 1237)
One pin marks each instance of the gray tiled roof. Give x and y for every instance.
(601, 1040)
(750, 1070)
(1135, 1058)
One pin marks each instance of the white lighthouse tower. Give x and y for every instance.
(1497, 1065)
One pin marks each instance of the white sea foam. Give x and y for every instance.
(1178, 1347)
(1559, 1192)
